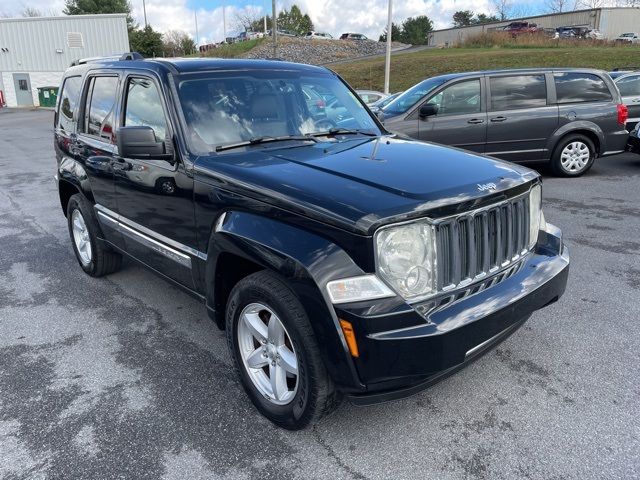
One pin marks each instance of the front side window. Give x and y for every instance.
(580, 87)
(458, 99)
(67, 103)
(410, 97)
(144, 107)
(100, 107)
(222, 108)
(522, 91)
(629, 86)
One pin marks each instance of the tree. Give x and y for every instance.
(31, 12)
(484, 18)
(463, 18)
(258, 24)
(502, 8)
(146, 41)
(395, 34)
(294, 21)
(415, 30)
(176, 43)
(86, 7)
(247, 19)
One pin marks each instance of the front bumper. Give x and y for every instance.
(424, 348)
(633, 143)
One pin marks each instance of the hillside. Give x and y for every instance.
(407, 69)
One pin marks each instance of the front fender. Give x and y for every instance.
(580, 125)
(307, 261)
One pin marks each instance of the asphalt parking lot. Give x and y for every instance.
(125, 377)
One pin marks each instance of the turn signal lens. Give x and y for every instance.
(355, 289)
(350, 337)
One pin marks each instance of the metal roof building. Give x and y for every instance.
(610, 21)
(34, 52)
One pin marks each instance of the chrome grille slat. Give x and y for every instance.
(480, 243)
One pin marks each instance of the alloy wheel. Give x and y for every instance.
(81, 237)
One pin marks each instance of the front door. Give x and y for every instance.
(520, 120)
(629, 87)
(461, 119)
(24, 97)
(155, 196)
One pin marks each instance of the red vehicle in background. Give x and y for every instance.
(522, 28)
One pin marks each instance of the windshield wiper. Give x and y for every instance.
(343, 131)
(260, 140)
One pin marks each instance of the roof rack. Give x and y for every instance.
(124, 56)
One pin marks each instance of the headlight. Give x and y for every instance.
(535, 214)
(406, 259)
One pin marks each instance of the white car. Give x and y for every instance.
(371, 96)
(318, 36)
(594, 35)
(630, 37)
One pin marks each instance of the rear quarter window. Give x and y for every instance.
(581, 87)
(68, 101)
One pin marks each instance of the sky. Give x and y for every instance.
(332, 16)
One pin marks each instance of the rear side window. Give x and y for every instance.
(68, 101)
(580, 87)
(144, 107)
(629, 86)
(100, 107)
(522, 91)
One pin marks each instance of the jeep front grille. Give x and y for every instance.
(473, 245)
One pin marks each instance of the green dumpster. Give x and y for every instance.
(48, 96)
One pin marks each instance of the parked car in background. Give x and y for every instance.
(633, 144)
(578, 32)
(629, 87)
(522, 28)
(353, 36)
(594, 34)
(340, 262)
(318, 36)
(371, 96)
(567, 117)
(375, 107)
(630, 37)
(244, 36)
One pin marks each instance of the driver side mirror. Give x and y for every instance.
(428, 110)
(140, 143)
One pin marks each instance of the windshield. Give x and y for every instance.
(408, 99)
(223, 108)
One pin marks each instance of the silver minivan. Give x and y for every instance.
(567, 117)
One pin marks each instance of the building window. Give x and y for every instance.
(74, 40)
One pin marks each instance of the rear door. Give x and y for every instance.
(520, 119)
(629, 86)
(461, 120)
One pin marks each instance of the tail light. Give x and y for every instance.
(623, 114)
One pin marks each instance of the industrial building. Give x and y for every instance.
(611, 22)
(34, 52)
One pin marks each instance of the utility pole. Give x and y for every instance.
(387, 60)
(224, 24)
(265, 23)
(274, 28)
(144, 9)
(195, 15)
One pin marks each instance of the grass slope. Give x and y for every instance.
(409, 68)
(234, 50)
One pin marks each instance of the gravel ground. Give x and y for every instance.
(124, 377)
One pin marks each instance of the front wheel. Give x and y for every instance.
(573, 156)
(276, 354)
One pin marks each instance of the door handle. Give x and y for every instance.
(476, 120)
(498, 119)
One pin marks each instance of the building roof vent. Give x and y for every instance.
(74, 40)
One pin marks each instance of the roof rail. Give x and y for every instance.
(124, 56)
(131, 56)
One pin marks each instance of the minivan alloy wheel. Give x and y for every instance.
(575, 156)
(268, 354)
(81, 237)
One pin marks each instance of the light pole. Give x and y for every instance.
(144, 9)
(387, 60)
(274, 28)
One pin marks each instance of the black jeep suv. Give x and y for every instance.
(340, 259)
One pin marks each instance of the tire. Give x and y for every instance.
(311, 394)
(100, 260)
(570, 159)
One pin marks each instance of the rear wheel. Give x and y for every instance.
(573, 156)
(276, 354)
(93, 256)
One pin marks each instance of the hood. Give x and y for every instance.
(362, 182)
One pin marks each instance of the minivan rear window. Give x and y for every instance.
(67, 103)
(573, 87)
(515, 92)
